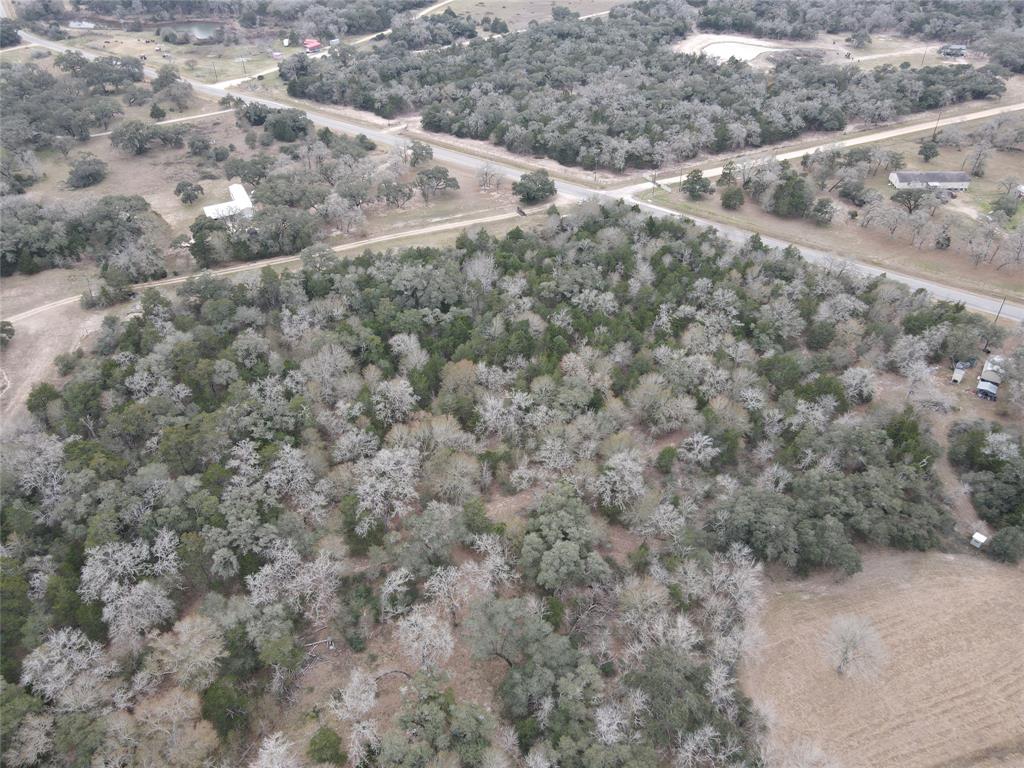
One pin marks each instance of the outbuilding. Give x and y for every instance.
(986, 390)
(955, 181)
(311, 45)
(992, 372)
(954, 50)
(239, 205)
(978, 540)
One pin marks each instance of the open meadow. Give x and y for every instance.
(949, 695)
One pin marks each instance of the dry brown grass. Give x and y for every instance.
(852, 241)
(952, 690)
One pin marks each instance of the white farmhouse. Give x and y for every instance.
(239, 205)
(955, 181)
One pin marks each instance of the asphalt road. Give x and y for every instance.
(971, 300)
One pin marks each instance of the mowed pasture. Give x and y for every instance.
(209, 63)
(950, 693)
(518, 13)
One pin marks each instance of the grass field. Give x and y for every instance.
(951, 693)
(206, 63)
(518, 13)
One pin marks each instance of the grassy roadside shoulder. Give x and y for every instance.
(852, 241)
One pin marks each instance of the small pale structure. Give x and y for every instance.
(978, 540)
(239, 205)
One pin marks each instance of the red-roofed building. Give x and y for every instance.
(311, 45)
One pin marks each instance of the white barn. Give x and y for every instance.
(239, 205)
(956, 181)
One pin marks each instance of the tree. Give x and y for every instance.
(276, 752)
(732, 198)
(387, 486)
(557, 549)
(727, 178)
(325, 747)
(87, 170)
(695, 185)
(487, 176)
(426, 639)
(929, 150)
(822, 212)
(9, 33)
(6, 333)
(395, 193)
(621, 480)
(419, 152)
(190, 652)
(792, 196)
(435, 180)
(157, 112)
(1008, 544)
(225, 706)
(67, 669)
(910, 199)
(854, 647)
(534, 187)
(188, 192)
(393, 401)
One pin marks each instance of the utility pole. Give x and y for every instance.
(994, 324)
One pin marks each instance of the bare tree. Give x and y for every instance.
(487, 176)
(854, 647)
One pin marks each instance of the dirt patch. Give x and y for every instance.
(28, 359)
(952, 689)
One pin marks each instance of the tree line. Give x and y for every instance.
(612, 94)
(996, 26)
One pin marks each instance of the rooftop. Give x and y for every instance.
(933, 176)
(239, 202)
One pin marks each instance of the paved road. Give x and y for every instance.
(975, 301)
(576, 191)
(854, 141)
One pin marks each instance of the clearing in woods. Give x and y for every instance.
(949, 695)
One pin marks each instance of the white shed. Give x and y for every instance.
(239, 205)
(978, 539)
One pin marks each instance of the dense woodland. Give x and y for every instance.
(612, 94)
(247, 468)
(996, 25)
(331, 18)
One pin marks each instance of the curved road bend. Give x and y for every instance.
(970, 299)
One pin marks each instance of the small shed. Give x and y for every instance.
(978, 539)
(986, 390)
(1020, 190)
(958, 375)
(955, 181)
(311, 45)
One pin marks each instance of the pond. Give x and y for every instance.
(196, 30)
